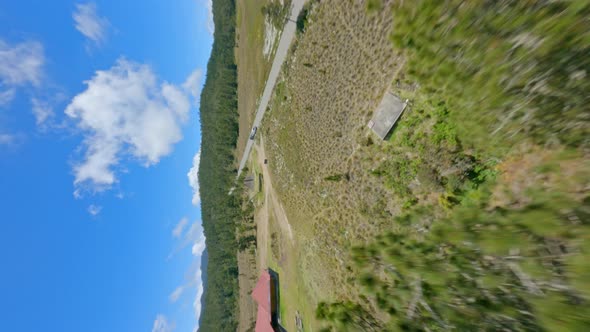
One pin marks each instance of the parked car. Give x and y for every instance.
(253, 133)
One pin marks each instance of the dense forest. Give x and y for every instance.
(499, 123)
(219, 129)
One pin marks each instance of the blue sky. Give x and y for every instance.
(99, 140)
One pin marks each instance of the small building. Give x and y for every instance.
(387, 114)
(266, 294)
(249, 182)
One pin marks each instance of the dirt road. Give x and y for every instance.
(271, 205)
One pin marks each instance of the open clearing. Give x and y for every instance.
(341, 187)
(257, 43)
(437, 179)
(342, 78)
(276, 249)
(253, 69)
(341, 68)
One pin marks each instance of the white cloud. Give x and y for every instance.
(94, 210)
(7, 96)
(6, 139)
(124, 112)
(176, 294)
(197, 251)
(42, 111)
(194, 235)
(21, 64)
(197, 302)
(210, 22)
(89, 23)
(177, 100)
(193, 84)
(177, 231)
(193, 178)
(198, 247)
(161, 324)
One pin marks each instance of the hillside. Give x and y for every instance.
(473, 213)
(219, 128)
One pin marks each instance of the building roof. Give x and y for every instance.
(261, 294)
(387, 114)
(249, 182)
(263, 322)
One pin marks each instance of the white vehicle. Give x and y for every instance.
(253, 132)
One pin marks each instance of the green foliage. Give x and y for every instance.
(303, 16)
(398, 173)
(506, 69)
(337, 177)
(246, 242)
(277, 12)
(220, 212)
(427, 155)
(347, 316)
(479, 269)
(374, 5)
(486, 76)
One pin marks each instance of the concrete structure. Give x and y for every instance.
(249, 182)
(387, 114)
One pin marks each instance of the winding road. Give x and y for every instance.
(280, 56)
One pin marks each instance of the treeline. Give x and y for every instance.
(220, 211)
(501, 83)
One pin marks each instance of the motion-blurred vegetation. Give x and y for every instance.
(498, 130)
(507, 69)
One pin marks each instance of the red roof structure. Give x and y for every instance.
(262, 294)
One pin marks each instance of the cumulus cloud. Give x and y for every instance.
(192, 85)
(125, 112)
(198, 247)
(161, 324)
(197, 251)
(198, 240)
(210, 23)
(42, 111)
(194, 234)
(197, 302)
(7, 96)
(20, 64)
(177, 231)
(196, 283)
(89, 23)
(94, 210)
(195, 237)
(193, 178)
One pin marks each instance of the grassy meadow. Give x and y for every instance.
(474, 213)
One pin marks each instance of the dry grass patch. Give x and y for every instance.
(317, 137)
